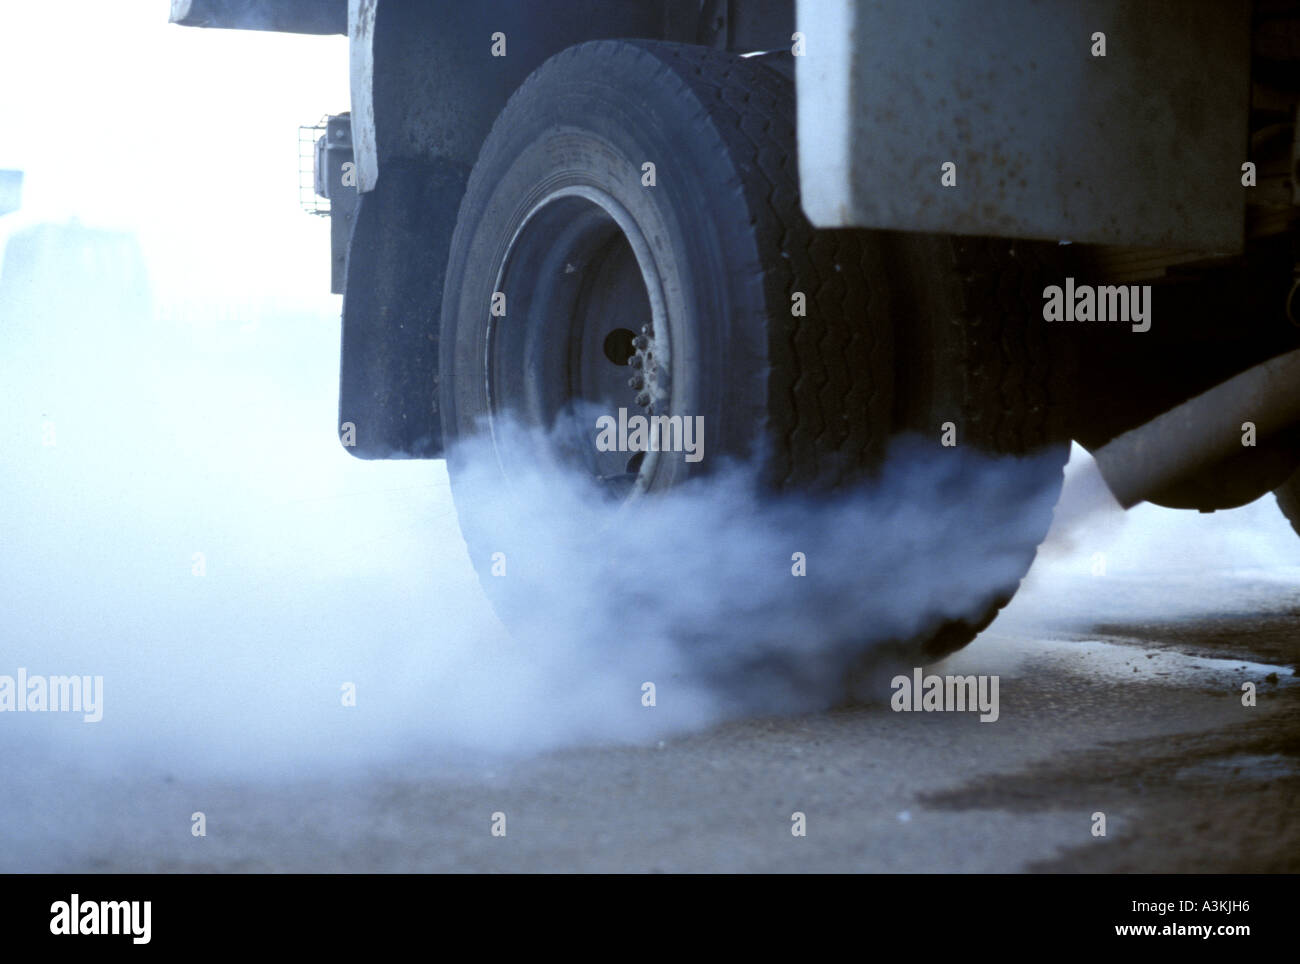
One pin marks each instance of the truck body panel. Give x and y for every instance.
(1141, 145)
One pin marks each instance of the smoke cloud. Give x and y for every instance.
(193, 532)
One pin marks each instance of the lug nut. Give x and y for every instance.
(636, 382)
(635, 361)
(643, 399)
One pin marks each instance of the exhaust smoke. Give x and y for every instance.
(256, 599)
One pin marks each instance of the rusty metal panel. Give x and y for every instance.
(1143, 145)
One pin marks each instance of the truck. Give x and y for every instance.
(818, 225)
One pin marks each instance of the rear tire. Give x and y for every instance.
(725, 249)
(975, 360)
(712, 260)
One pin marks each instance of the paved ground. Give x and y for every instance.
(1141, 721)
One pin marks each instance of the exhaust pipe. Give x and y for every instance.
(1202, 431)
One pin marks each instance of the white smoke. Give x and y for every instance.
(196, 535)
(319, 570)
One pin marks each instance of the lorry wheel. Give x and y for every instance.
(978, 365)
(638, 201)
(631, 237)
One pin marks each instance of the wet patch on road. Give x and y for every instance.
(1272, 637)
(1224, 798)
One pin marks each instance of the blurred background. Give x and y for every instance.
(173, 495)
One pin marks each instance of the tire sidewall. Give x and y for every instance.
(694, 219)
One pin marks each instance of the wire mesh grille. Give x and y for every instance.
(308, 135)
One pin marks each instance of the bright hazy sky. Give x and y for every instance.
(187, 136)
